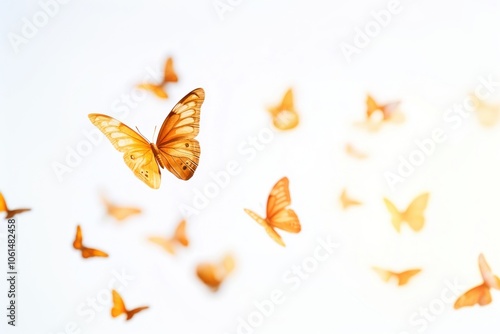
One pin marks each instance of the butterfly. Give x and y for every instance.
(169, 75)
(402, 277)
(480, 294)
(213, 274)
(354, 152)
(487, 114)
(175, 149)
(86, 252)
(284, 115)
(413, 215)
(378, 114)
(179, 237)
(346, 201)
(119, 212)
(277, 215)
(119, 307)
(10, 213)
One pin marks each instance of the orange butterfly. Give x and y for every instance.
(119, 212)
(402, 277)
(480, 294)
(179, 237)
(86, 252)
(487, 114)
(175, 149)
(346, 201)
(278, 216)
(413, 215)
(378, 114)
(284, 115)
(212, 275)
(354, 152)
(10, 213)
(119, 307)
(169, 75)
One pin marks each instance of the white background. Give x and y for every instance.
(430, 56)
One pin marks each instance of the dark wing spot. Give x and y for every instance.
(132, 157)
(187, 145)
(184, 167)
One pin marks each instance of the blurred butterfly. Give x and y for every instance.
(378, 114)
(480, 294)
(277, 214)
(179, 237)
(346, 201)
(5, 208)
(175, 149)
(119, 307)
(284, 115)
(402, 277)
(86, 252)
(169, 75)
(413, 215)
(120, 213)
(354, 152)
(213, 274)
(487, 114)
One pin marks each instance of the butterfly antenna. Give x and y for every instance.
(154, 132)
(141, 133)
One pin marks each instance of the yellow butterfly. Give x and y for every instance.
(179, 237)
(284, 115)
(169, 75)
(480, 294)
(213, 274)
(175, 149)
(402, 277)
(413, 215)
(487, 114)
(119, 307)
(346, 201)
(278, 216)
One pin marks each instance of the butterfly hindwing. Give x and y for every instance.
(414, 214)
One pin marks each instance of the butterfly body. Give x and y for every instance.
(176, 148)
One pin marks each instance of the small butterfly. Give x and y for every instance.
(346, 201)
(354, 152)
(169, 75)
(213, 274)
(86, 252)
(402, 277)
(480, 294)
(175, 149)
(284, 115)
(413, 215)
(277, 214)
(10, 213)
(120, 213)
(119, 307)
(378, 114)
(179, 237)
(487, 114)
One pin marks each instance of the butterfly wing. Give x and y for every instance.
(354, 152)
(77, 243)
(488, 277)
(269, 229)
(384, 274)
(414, 214)
(277, 214)
(118, 305)
(284, 115)
(179, 152)
(405, 276)
(346, 201)
(487, 114)
(169, 74)
(180, 234)
(207, 273)
(396, 216)
(478, 295)
(371, 106)
(158, 90)
(133, 312)
(91, 252)
(165, 243)
(3, 204)
(137, 152)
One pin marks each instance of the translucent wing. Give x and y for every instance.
(414, 214)
(405, 276)
(137, 152)
(120, 213)
(346, 201)
(77, 243)
(169, 74)
(488, 277)
(180, 234)
(487, 114)
(167, 244)
(179, 152)
(479, 295)
(354, 152)
(385, 275)
(118, 305)
(158, 90)
(396, 216)
(270, 231)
